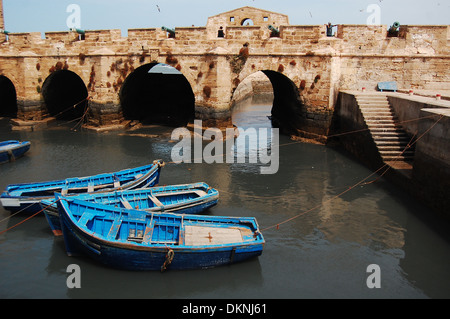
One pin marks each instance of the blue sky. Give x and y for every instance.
(51, 15)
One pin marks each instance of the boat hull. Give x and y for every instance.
(162, 254)
(154, 258)
(138, 199)
(27, 197)
(11, 150)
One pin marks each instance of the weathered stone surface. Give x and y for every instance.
(319, 66)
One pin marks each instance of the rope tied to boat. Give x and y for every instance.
(11, 156)
(34, 215)
(169, 257)
(160, 163)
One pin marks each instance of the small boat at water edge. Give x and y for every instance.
(137, 240)
(10, 150)
(181, 199)
(27, 197)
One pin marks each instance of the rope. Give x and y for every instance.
(170, 253)
(362, 182)
(73, 106)
(81, 118)
(16, 213)
(23, 221)
(169, 257)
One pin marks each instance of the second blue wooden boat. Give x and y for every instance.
(137, 240)
(10, 150)
(27, 197)
(182, 199)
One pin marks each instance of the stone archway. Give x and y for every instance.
(252, 101)
(287, 111)
(8, 102)
(247, 22)
(65, 95)
(157, 93)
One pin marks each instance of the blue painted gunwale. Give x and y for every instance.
(27, 196)
(10, 150)
(86, 227)
(181, 199)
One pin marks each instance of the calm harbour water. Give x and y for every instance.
(323, 253)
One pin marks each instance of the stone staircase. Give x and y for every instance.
(389, 137)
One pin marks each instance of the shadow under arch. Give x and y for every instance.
(156, 93)
(287, 111)
(8, 96)
(65, 95)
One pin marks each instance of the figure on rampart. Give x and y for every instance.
(330, 29)
(220, 33)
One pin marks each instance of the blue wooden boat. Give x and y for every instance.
(27, 197)
(10, 150)
(182, 199)
(137, 240)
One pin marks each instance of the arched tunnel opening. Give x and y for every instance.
(8, 98)
(287, 109)
(283, 107)
(65, 95)
(252, 102)
(157, 93)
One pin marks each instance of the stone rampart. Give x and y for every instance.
(318, 66)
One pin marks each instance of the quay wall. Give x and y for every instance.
(432, 160)
(426, 119)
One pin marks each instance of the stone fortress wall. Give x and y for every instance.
(318, 66)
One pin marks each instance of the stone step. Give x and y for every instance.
(389, 137)
(369, 99)
(386, 129)
(369, 103)
(392, 143)
(374, 107)
(395, 149)
(391, 155)
(396, 152)
(398, 158)
(371, 96)
(375, 116)
(378, 113)
(371, 108)
(373, 121)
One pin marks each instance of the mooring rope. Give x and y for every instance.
(360, 183)
(73, 106)
(26, 219)
(16, 213)
(169, 258)
(81, 119)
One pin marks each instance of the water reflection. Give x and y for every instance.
(322, 252)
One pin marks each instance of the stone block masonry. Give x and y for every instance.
(422, 134)
(317, 66)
